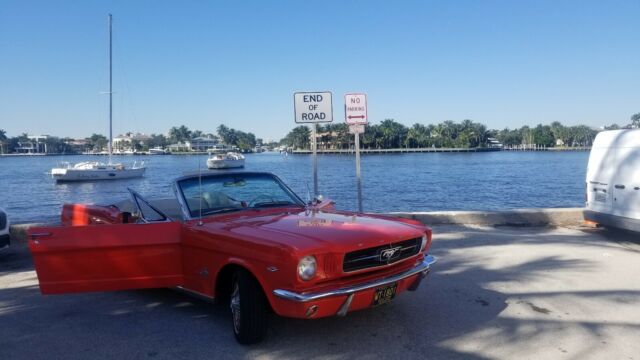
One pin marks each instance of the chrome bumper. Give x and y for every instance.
(421, 268)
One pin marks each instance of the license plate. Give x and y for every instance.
(384, 294)
(602, 197)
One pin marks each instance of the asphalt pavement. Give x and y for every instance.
(495, 293)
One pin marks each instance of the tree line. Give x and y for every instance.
(387, 134)
(390, 134)
(244, 141)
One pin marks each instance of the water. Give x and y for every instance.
(391, 182)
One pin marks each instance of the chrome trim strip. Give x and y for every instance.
(37, 235)
(301, 297)
(195, 294)
(182, 201)
(136, 197)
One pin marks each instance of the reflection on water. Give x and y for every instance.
(392, 182)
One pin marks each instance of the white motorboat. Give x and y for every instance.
(157, 151)
(93, 170)
(229, 160)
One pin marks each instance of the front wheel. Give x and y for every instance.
(248, 309)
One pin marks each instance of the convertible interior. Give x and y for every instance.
(126, 212)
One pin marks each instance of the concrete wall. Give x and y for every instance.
(520, 217)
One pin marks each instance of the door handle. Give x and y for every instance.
(39, 235)
(619, 186)
(636, 188)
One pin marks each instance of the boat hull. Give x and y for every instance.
(225, 164)
(68, 175)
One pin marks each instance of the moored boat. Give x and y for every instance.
(157, 151)
(230, 160)
(93, 170)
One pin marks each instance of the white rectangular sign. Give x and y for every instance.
(355, 109)
(313, 107)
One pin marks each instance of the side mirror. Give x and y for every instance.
(324, 204)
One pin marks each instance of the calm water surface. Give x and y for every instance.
(393, 182)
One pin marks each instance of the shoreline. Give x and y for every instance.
(341, 151)
(433, 150)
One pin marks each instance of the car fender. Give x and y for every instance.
(259, 272)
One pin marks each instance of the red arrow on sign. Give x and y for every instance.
(356, 117)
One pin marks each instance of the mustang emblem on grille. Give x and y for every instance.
(388, 254)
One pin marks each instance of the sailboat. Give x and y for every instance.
(94, 170)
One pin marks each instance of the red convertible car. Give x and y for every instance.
(243, 238)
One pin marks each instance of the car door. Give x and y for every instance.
(74, 259)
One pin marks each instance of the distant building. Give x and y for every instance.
(35, 145)
(129, 141)
(494, 143)
(202, 143)
(77, 145)
(179, 147)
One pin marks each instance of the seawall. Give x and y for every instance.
(518, 217)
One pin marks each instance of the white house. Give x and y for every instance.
(128, 141)
(202, 143)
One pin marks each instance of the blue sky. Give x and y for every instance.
(203, 63)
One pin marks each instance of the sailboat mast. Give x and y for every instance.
(110, 90)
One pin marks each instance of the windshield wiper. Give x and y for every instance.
(274, 204)
(222, 210)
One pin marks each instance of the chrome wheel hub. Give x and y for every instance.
(235, 307)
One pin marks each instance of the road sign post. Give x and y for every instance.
(314, 146)
(355, 115)
(313, 108)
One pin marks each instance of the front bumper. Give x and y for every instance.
(4, 241)
(420, 271)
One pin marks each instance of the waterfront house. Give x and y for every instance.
(36, 144)
(129, 142)
(203, 144)
(494, 143)
(76, 145)
(179, 147)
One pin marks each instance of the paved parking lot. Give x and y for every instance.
(510, 293)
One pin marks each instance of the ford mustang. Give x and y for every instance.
(243, 238)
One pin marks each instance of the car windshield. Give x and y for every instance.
(235, 192)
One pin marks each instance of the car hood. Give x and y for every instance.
(319, 230)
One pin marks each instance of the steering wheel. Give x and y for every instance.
(254, 201)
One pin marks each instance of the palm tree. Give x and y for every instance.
(635, 120)
(3, 139)
(180, 134)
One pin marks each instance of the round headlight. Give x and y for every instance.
(424, 242)
(307, 268)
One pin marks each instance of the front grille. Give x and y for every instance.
(3, 220)
(381, 255)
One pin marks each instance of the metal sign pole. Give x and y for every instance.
(314, 144)
(359, 179)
